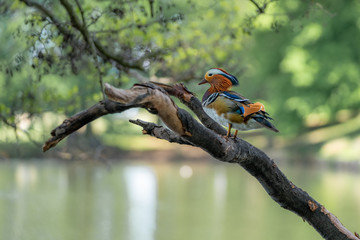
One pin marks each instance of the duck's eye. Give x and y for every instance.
(210, 74)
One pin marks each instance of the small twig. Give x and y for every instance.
(260, 9)
(131, 25)
(76, 23)
(84, 31)
(6, 122)
(81, 12)
(138, 76)
(151, 2)
(109, 55)
(160, 132)
(48, 14)
(16, 128)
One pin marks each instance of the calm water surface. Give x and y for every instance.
(170, 201)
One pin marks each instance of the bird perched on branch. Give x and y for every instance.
(230, 108)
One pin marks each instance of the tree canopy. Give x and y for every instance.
(300, 58)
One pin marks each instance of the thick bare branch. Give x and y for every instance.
(253, 160)
(82, 118)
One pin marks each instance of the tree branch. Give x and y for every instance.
(257, 6)
(90, 41)
(188, 98)
(260, 9)
(182, 124)
(85, 32)
(82, 118)
(77, 24)
(81, 13)
(15, 127)
(46, 12)
(93, 42)
(160, 132)
(130, 25)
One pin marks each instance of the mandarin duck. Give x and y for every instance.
(230, 108)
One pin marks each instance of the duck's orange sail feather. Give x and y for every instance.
(253, 108)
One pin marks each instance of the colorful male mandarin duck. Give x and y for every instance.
(228, 107)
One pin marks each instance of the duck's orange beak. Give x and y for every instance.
(203, 81)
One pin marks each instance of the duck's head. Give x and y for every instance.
(219, 79)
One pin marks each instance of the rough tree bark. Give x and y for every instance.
(184, 129)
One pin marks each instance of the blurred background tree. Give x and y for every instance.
(300, 58)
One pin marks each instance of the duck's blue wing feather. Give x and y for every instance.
(235, 97)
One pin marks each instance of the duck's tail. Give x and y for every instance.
(263, 119)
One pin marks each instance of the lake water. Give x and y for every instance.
(53, 200)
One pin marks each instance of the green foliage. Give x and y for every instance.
(309, 67)
(47, 64)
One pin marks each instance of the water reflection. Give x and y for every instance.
(141, 192)
(143, 201)
(220, 186)
(25, 175)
